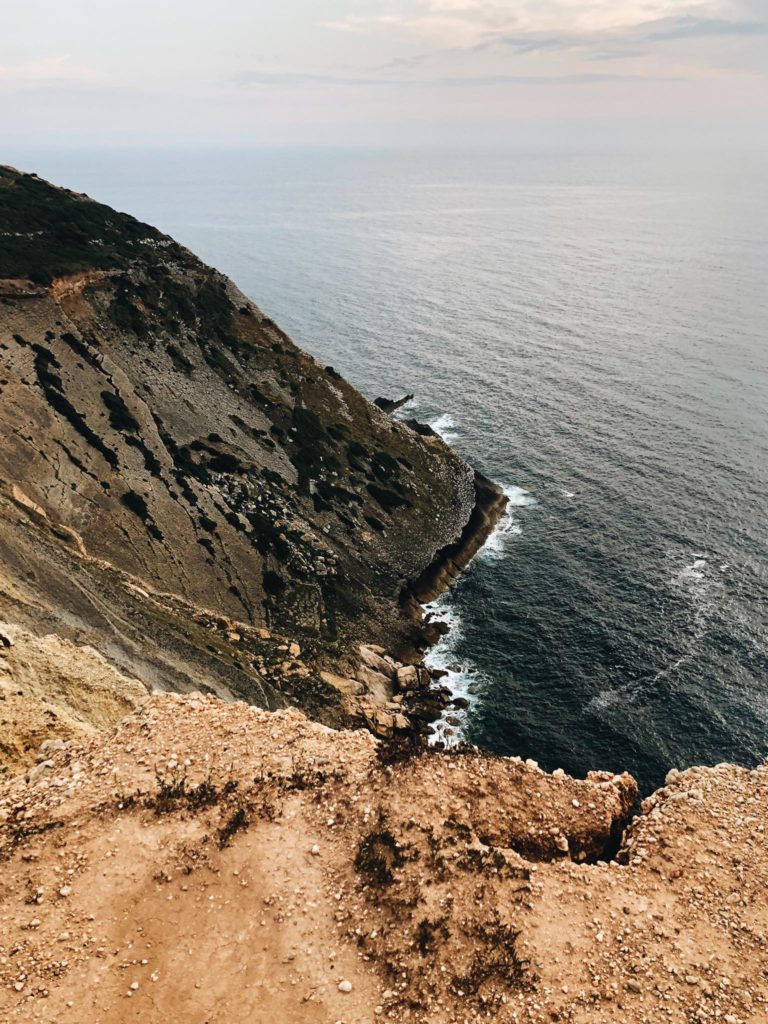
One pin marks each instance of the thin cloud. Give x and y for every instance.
(256, 77)
(467, 22)
(613, 27)
(283, 78)
(623, 43)
(689, 27)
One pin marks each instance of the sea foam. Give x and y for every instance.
(445, 426)
(462, 679)
(509, 525)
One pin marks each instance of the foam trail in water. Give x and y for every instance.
(695, 581)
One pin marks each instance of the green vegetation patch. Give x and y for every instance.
(47, 232)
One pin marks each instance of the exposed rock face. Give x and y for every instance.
(214, 862)
(166, 449)
(52, 689)
(391, 405)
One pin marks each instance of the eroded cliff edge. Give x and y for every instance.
(212, 862)
(185, 489)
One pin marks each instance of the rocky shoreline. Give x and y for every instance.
(402, 696)
(189, 475)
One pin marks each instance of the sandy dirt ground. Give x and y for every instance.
(209, 863)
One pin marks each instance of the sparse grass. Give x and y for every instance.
(378, 856)
(174, 793)
(431, 934)
(237, 822)
(499, 961)
(401, 749)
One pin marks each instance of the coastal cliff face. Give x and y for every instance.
(190, 503)
(187, 490)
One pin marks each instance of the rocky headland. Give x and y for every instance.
(216, 804)
(184, 489)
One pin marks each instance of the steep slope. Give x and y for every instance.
(185, 488)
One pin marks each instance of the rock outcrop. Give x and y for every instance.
(52, 690)
(174, 472)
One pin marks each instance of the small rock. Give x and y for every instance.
(345, 986)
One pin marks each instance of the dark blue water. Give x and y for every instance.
(590, 330)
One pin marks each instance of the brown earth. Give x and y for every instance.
(212, 862)
(190, 503)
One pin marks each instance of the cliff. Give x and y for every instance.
(190, 493)
(190, 503)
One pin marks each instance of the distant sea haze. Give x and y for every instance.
(590, 331)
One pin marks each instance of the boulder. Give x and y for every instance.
(373, 660)
(350, 687)
(381, 723)
(407, 677)
(378, 686)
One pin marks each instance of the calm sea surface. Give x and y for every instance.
(591, 331)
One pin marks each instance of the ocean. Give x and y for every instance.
(588, 329)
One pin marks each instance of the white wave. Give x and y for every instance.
(568, 494)
(693, 573)
(462, 679)
(406, 410)
(518, 496)
(445, 426)
(508, 526)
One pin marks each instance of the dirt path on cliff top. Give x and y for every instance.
(212, 863)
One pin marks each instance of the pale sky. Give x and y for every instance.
(251, 72)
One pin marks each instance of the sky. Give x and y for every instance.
(382, 72)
